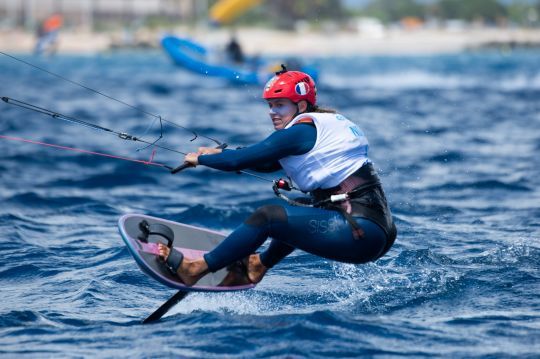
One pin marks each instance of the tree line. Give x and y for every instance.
(524, 12)
(285, 13)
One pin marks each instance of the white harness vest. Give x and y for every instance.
(341, 148)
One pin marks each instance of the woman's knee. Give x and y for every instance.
(266, 215)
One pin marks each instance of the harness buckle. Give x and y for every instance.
(283, 184)
(339, 197)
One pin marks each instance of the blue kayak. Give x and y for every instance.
(195, 57)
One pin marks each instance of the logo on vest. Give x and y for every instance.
(356, 131)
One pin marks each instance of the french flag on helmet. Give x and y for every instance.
(293, 85)
(302, 88)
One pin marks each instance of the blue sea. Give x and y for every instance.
(455, 138)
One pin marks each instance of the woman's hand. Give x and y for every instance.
(192, 158)
(209, 151)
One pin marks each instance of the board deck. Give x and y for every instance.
(192, 241)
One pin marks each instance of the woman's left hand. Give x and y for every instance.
(209, 151)
(192, 158)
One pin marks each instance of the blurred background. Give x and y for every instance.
(321, 27)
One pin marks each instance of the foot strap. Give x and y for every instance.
(156, 229)
(175, 257)
(237, 274)
(240, 266)
(174, 260)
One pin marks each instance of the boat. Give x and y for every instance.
(196, 58)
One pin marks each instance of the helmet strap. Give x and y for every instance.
(297, 111)
(308, 106)
(295, 114)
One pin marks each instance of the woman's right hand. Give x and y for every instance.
(209, 151)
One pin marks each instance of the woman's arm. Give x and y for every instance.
(297, 140)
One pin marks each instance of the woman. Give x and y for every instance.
(325, 155)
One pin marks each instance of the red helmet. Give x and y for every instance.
(294, 85)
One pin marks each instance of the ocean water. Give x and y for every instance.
(455, 138)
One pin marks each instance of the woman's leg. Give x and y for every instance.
(318, 231)
(324, 233)
(241, 243)
(248, 237)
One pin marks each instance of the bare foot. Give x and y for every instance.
(190, 270)
(236, 275)
(256, 270)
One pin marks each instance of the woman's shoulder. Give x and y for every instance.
(306, 119)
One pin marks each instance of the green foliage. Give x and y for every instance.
(311, 9)
(490, 10)
(393, 10)
(518, 11)
(286, 12)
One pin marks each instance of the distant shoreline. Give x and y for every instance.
(311, 44)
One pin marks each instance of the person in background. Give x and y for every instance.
(47, 35)
(234, 51)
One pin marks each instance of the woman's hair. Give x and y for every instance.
(315, 108)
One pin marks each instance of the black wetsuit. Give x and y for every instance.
(323, 231)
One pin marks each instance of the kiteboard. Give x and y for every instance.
(192, 241)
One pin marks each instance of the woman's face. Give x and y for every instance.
(281, 112)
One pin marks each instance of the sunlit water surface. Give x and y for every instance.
(456, 141)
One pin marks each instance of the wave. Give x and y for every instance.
(19, 317)
(39, 201)
(417, 80)
(467, 247)
(448, 156)
(491, 185)
(109, 180)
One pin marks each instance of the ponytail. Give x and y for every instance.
(317, 109)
